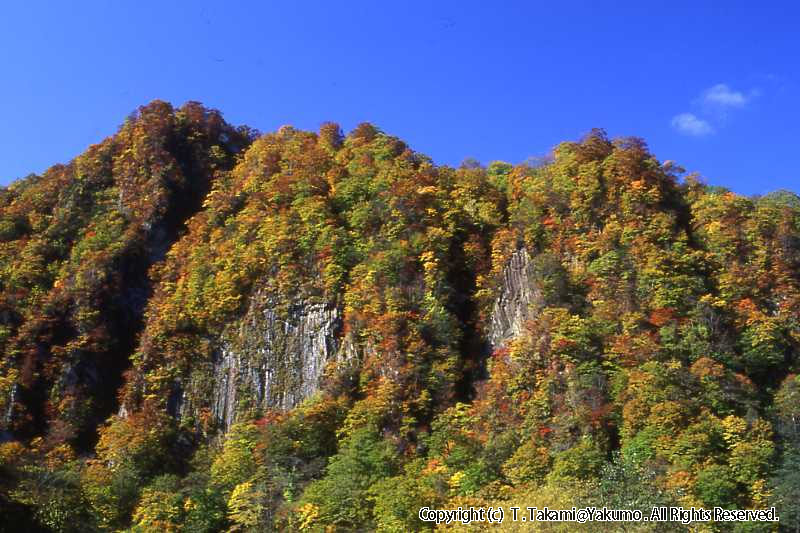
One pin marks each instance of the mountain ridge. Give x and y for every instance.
(194, 312)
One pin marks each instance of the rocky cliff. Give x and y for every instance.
(274, 356)
(517, 299)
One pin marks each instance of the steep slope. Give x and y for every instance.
(328, 332)
(314, 248)
(77, 243)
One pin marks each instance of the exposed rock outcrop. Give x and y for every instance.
(517, 300)
(7, 411)
(274, 358)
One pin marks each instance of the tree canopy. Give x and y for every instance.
(656, 365)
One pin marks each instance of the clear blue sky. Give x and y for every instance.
(714, 86)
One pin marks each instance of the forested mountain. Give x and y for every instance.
(208, 329)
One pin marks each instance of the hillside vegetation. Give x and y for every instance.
(203, 328)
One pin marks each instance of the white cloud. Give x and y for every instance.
(723, 96)
(714, 105)
(689, 124)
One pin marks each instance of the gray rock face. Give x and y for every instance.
(517, 301)
(5, 419)
(274, 359)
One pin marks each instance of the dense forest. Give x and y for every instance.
(205, 328)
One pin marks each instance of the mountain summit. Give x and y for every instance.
(204, 328)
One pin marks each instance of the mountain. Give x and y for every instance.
(204, 328)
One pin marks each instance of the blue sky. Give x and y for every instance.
(713, 86)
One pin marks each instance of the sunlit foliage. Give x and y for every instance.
(659, 366)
